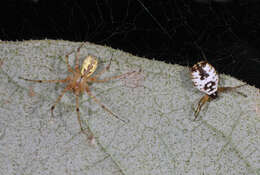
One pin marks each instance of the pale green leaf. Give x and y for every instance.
(160, 137)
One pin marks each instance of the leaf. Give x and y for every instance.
(160, 137)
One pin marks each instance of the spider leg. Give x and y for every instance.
(103, 106)
(78, 115)
(67, 61)
(77, 58)
(202, 101)
(104, 70)
(226, 89)
(90, 135)
(46, 81)
(58, 99)
(94, 79)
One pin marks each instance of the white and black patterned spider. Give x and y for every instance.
(205, 78)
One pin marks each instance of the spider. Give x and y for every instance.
(205, 78)
(78, 82)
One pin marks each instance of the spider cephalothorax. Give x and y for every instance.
(78, 81)
(206, 79)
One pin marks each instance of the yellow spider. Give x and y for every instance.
(78, 81)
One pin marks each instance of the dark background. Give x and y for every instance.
(224, 32)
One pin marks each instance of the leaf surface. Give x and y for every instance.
(160, 137)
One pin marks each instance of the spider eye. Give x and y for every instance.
(89, 65)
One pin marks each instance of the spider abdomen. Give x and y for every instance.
(205, 78)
